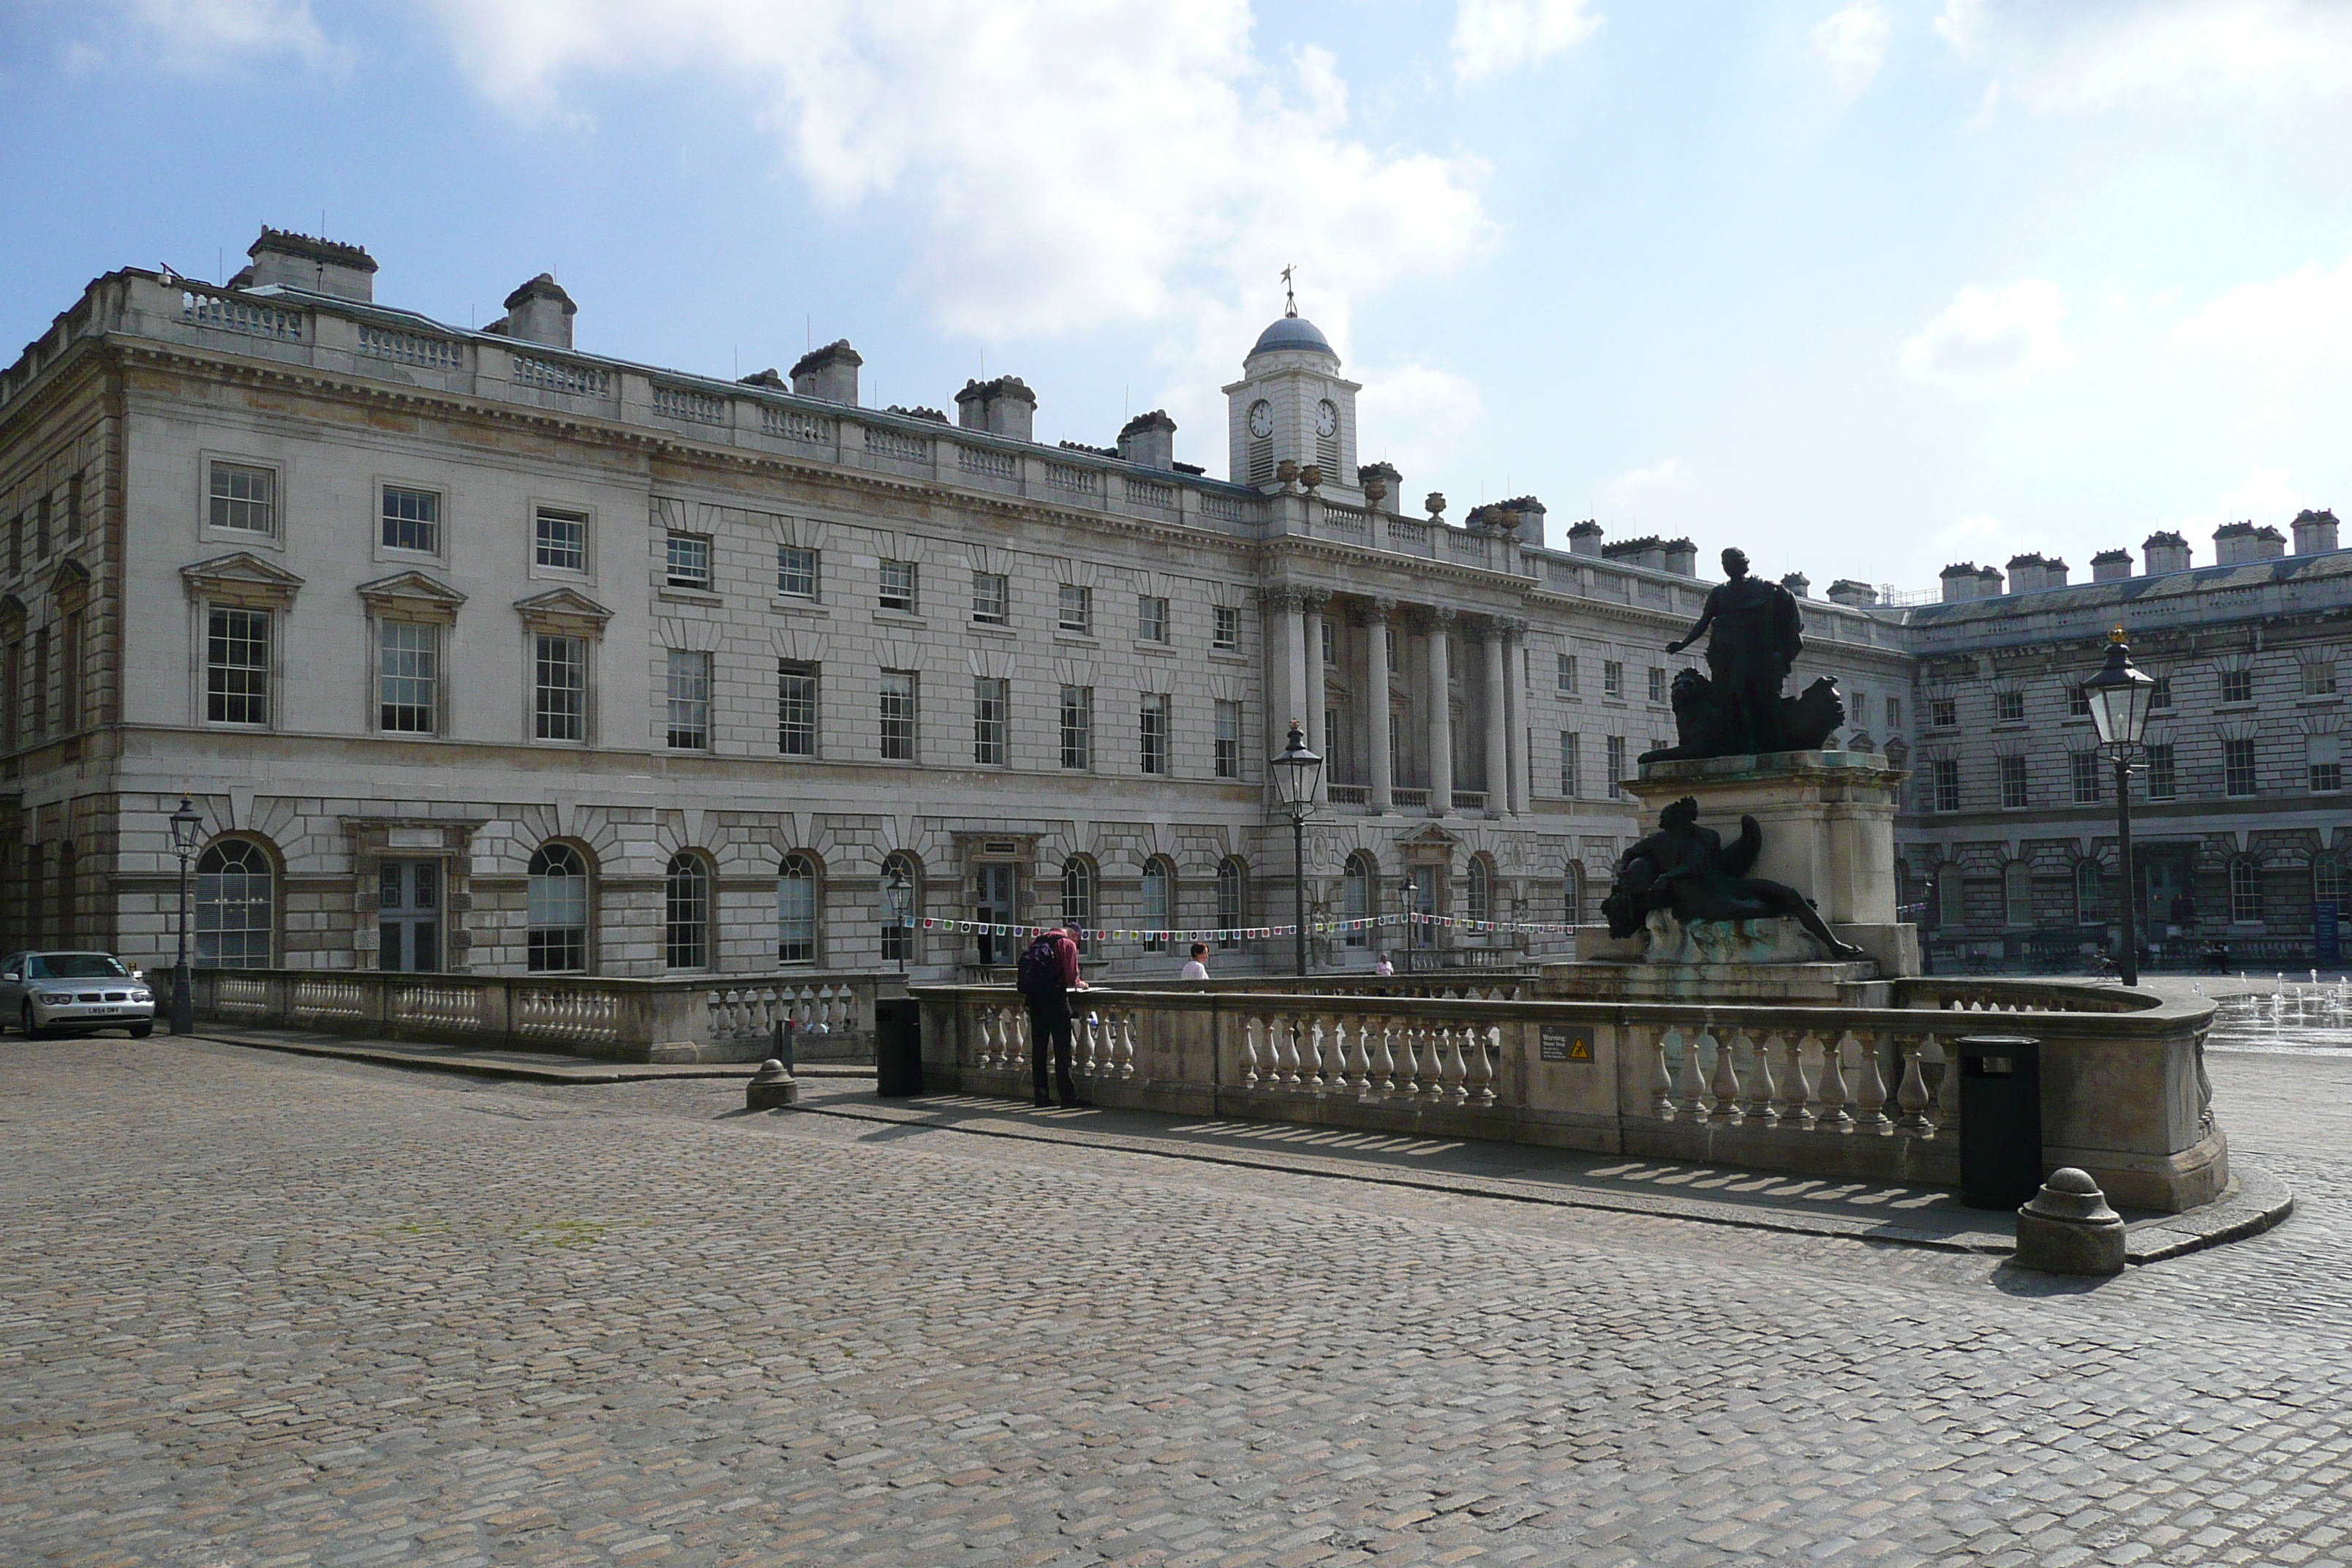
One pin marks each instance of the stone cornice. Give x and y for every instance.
(412, 596)
(241, 578)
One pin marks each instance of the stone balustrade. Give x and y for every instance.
(1840, 1092)
(712, 1018)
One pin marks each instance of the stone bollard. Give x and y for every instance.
(771, 1089)
(2068, 1229)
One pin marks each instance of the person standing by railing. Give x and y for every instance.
(1197, 966)
(1046, 974)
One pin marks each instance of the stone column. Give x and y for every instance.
(1498, 732)
(1377, 618)
(1288, 676)
(1441, 714)
(1514, 711)
(1313, 604)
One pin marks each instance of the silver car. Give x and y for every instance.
(58, 993)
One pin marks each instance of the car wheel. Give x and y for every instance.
(141, 1031)
(24, 1021)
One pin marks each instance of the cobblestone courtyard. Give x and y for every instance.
(256, 1310)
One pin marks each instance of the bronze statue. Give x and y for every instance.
(1756, 637)
(1705, 730)
(1684, 870)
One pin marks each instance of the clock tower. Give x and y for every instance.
(1292, 403)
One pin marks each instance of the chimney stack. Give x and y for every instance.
(1681, 557)
(539, 312)
(1961, 583)
(1989, 583)
(1149, 440)
(1584, 539)
(2111, 566)
(2053, 573)
(1800, 585)
(1005, 407)
(2025, 572)
(2314, 531)
(298, 262)
(2165, 551)
(1649, 551)
(1854, 594)
(1391, 499)
(829, 372)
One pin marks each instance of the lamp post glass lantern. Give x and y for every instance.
(185, 826)
(1296, 771)
(2118, 697)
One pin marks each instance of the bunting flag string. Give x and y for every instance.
(1248, 933)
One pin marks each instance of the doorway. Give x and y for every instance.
(408, 917)
(994, 906)
(2164, 872)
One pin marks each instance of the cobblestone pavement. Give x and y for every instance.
(258, 1309)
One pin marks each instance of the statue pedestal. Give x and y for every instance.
(1828, 819)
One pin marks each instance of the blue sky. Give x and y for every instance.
(1867, 288)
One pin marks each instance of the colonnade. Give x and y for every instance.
(1297, 683)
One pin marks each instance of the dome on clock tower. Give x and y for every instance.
(1292, 333)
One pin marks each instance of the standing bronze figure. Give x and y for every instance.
(1756, 637)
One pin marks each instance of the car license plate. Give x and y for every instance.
(104, 1011)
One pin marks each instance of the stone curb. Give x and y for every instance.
(558, 1068)
(2254, 1202)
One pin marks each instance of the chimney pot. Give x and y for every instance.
(298, 262)
(540, 313)
(829, 372)
(2315, 532)
(1003, 406)
(1149, 440)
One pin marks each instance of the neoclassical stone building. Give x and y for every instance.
(478, 652)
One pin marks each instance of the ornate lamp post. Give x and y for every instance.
(1295, 772)
(897, 897)
(185, 826)
(2120, 696)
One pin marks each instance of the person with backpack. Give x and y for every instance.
(1046, 974)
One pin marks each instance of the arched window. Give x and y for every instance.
(1159, 901)
(2017, 894)
(797, 909)
(1478, 890)
(898, 943)
(2090, 893)
(686, 912)
(2327, 881)
(237, 906)
(1573, 893)
(555, 917)
(2245, 889)
(1356, 885)
(1232, 898)
(1079, 897)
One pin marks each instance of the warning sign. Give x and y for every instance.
(1567, 1042)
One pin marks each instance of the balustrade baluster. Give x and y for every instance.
(1694, 1084)
(1725, 1084)
(1762, 1091)
(1947, 1110)
(1833, 1115)
(1317, 1042)
(1250, 1029)
(1661, 1077)
(1871, 1093)
(1384, 1032)
(1796, 1089)
(983, 1040)
(1911, 1094)
(1488, 1063)
(1408, 1083)
(1286, 1043)
(1459, 1077)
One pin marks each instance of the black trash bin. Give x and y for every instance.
(897, 1047)
(2000, 1120)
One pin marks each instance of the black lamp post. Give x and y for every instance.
(897, 897)
(2120, 696)
(1295, 773)
(185, 826)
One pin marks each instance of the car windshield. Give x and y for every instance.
(74, 966)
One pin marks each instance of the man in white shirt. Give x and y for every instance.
(1197, 966)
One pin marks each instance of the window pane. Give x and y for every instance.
(236, 667)
(1229, 739)
(407, 679)
(689, 560)
(1228, 626)
(1151, 620)
(988, 704)
(898, 715)
(898, 587)
(244, 498)
(689, 700)
(235, 894)
(989, 596)
(1078, 727)
(1152, 751)
(796, 910)
(412, 520)
(796, 708)
(556, 911)
(561, 541)
(1077, 609)
(559, 695)
(795, 572)
(686, 897)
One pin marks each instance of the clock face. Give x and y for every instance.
(1261, 419)
(1326, 419)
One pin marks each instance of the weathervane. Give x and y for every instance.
(1289, 295)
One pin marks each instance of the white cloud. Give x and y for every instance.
(2264, 496)
(1068, 163)
(1492, 36)
(1852, 43)
(1662, 497)
(1421, 419)
(1984, 539)
(2087, 57)
(207, 35)
(1988, 339)
(2302, 321)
